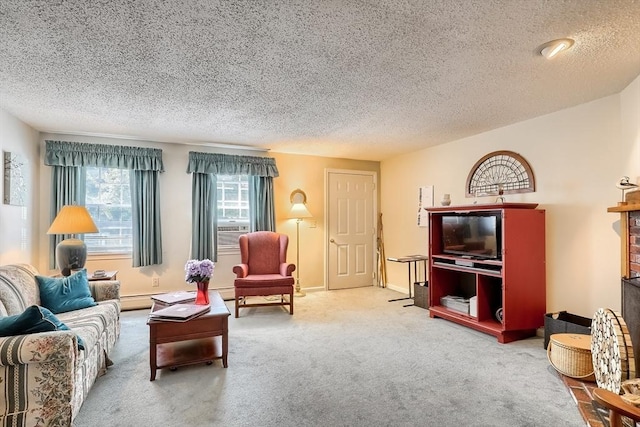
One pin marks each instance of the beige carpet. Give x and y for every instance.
(345, 358)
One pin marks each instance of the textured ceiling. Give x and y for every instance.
(360, 79)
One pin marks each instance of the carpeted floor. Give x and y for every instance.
(345, 358)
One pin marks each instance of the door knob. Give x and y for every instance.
(332, 240)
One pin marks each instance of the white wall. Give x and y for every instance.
(576, 155)
(18, 242)
(630, 133)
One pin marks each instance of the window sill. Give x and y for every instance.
(108, 256)
(228, 251)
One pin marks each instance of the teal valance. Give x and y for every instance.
(63, 153)
(228, 164)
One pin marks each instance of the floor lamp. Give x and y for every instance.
(298, 211)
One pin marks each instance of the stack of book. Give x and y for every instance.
(174, 297)
(179, 312)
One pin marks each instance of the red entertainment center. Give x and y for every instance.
(487, 262)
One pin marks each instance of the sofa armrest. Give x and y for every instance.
(103, 290)
(38, 384)
(241, 270)
(58, 347)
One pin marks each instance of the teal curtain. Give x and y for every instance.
(262, 214)
(227, 164)
(63, 153)
(261, 171)
(65, 189)
(145, 211)
(203, 217)
(145, 165)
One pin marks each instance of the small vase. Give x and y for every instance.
(446, 200)
(202, 296)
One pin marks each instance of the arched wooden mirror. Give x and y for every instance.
(298, 196)
(498, 173)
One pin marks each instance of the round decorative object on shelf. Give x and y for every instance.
(611, 350)
(499, 315)
(446, 200)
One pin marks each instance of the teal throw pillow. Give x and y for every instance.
(31, 321)
(62, 294)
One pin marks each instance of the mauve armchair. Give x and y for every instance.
(263, 270)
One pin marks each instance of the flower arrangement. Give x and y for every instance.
(198, 271)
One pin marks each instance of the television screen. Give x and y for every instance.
(474, 235)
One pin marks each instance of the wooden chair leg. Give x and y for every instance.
(237, 308)
(614, 419)
(291, 301)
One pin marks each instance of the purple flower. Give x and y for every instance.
(198, 271)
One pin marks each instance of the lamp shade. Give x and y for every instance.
(71, 254)
(299, 211)
(73, 219)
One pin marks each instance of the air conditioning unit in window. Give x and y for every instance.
(228, 234)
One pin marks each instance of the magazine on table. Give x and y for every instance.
(174, 297)
(179, 312)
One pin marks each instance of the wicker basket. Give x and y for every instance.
(570, 354)
(631, 391)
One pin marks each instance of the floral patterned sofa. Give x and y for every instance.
(44, 377)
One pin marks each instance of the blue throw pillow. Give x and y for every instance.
(62, 294)
(33, 320)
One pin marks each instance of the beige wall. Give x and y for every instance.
(308, 174)
(576, 155)
(630, 131)
(18, 235)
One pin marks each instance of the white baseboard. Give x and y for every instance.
(312, 289)
(141, 301)
(135, 302)
(401, 289)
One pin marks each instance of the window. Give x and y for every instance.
(233, 209)
(108, 199)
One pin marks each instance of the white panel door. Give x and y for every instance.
(351, 229)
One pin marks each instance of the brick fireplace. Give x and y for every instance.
(630, 267)
(634, 243)
(631, 286)
(629, 211)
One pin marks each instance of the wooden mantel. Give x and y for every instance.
(625, 208)
(632, 204)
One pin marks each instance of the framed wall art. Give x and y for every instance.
(15, 179)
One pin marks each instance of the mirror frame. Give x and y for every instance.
(298, 196)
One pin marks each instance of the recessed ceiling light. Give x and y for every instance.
(551, 49)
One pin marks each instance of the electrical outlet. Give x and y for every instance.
(155, 282)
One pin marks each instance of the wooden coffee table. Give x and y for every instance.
(200, 340)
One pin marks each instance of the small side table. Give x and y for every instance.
(411, 259)
(108, 275)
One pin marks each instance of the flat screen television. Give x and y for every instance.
(475, 234)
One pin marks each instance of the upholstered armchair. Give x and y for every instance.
(263, 270)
